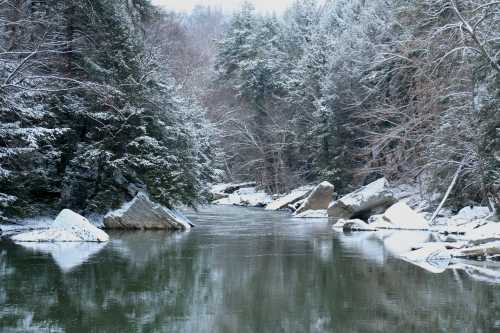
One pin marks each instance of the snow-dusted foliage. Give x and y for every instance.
(351, 90)
(90, 112)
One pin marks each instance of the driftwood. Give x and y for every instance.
(485, 250)
(453, 182)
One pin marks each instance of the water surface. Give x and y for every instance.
(241, 270)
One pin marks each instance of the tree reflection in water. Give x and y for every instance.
(241, 270)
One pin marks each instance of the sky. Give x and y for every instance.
(262, 6)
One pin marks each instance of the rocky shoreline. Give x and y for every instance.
(141, 213)
(379, 208)
(472, 233)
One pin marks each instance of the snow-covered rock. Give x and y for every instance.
(284, 201)
(67, 227)
(401, 216)
(141, 213)
(467, 220)
(49, 235)
(220, 191)
(246, 197)
(319, 199)
(357, 225)
(313, 214)
(460, 228)
(380, 223)
(434, 258)
(489, 231)
(472, 213)
(366, 200)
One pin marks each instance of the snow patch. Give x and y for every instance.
(67, 227)
(313, 214)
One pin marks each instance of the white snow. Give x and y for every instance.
(246, 197)
(401, 216)
(313, 214)
(488, 231)
(381, 224)
(471, 214)
(221, 188)
(460, 228)
(50, 235)
(6, 199)
(67, 227)
(365, 193)
(289, 198)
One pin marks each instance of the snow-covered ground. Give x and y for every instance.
(248, 196)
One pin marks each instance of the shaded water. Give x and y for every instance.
(241, 270)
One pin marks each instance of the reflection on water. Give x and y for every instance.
(67, 255)
(241, 270)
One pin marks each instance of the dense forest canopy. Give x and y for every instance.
(100, 99)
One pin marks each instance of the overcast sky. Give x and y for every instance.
(226, 5)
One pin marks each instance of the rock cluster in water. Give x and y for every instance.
(377, 207)
(139, 214)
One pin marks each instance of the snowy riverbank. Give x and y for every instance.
(382, 209)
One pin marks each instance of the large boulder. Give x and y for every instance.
(295, 195)
(368, 200)
(401, 216)
(67, 227)
(142, 214)
(319, 199)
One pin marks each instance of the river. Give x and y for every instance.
(240, 270)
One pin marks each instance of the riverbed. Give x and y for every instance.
(240, 270)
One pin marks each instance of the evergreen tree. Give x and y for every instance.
(90, 116)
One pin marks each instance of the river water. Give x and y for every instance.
(240, 270)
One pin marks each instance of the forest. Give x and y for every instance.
(101, 99)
